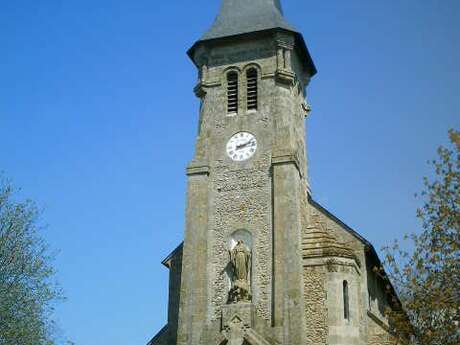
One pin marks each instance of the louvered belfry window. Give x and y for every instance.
(251, 77)
(232, 93)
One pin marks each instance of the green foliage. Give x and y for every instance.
(427, 279)
(27, 288)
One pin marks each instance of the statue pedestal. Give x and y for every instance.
(237, 323)
(237, 316)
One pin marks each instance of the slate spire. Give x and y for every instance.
(238, 17)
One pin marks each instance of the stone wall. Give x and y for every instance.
(315, 305)
(347, 236)
(344, 331)
(241, 203)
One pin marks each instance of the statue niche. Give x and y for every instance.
(240, 264)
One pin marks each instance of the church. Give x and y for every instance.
(262, 263)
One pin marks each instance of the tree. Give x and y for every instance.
(27, 287)
(427, 277)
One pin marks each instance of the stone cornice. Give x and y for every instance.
(286, 157)
(282, 158)
(329, 262)
(332, 252)
(198, 168)
(200, 88)
(268, 75)
(285, 76)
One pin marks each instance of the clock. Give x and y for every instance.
(241, 146)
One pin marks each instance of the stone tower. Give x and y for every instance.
(261, 262)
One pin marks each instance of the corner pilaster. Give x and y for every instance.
(194, 288)
(288, 301)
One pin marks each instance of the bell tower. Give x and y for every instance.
(241, 276)
(263, 263)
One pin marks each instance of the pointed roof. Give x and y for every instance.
(318, 241)
(238, 17)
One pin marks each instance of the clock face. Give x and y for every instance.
(241, 146)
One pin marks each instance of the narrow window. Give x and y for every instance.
(251, 77)
(346, 302)
(232, 93)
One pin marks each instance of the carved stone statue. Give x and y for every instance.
(240, 261)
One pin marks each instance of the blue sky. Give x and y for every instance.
(98, 121)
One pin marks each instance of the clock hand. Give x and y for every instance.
(242, 146)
